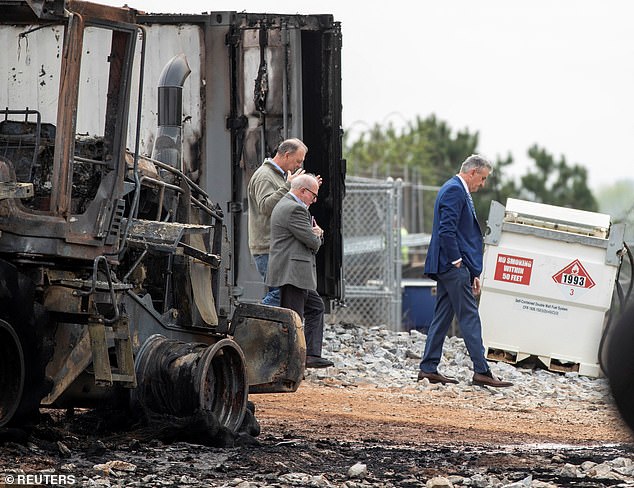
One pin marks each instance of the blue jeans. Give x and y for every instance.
(273, 295)
(454, 297)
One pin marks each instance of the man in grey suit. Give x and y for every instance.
(295, 240)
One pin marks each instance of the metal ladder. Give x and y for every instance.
(103, 330)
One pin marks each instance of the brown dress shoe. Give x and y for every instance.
(435, 378)
(489, 379)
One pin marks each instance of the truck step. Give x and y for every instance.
(119, 333)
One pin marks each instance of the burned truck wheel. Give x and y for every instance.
(184, 378)
(222, 383)
(22, 362)
(620, 362)
(24, 347)
(12, 372)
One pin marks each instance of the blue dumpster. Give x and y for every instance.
(418, 301)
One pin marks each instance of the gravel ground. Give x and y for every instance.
(390, 359)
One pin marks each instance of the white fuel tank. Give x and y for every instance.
(547, 284)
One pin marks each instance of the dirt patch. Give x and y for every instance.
(408, 417)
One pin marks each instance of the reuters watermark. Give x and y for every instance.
(38, 479)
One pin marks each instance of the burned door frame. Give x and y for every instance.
(86, 234)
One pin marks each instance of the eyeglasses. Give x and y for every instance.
(312, 193)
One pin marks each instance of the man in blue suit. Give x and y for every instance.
(454, 260)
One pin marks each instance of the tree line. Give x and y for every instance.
(429, 148)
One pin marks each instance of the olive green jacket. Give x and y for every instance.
(266, 187)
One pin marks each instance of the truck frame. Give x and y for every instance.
(123, 281)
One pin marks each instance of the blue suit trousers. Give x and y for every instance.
(454, 297)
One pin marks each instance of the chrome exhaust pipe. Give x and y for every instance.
(168, 145)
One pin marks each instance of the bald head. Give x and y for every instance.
(307, 180)
(305, 187)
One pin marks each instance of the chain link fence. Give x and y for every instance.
(372, 216)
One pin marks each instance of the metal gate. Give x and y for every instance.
(372, 214)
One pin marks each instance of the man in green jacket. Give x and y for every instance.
(267, 186)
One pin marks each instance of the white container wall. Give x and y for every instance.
(547, 283)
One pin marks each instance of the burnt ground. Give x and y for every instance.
(313, 437)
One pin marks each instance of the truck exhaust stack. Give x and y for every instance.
(168, 143)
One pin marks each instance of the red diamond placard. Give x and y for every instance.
(574, 275)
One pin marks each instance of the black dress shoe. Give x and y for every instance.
(435, 378)
(318, 362)
(489, 379)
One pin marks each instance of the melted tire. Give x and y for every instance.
(12, 372)
(183, 379)
(24, 327)
(620, 362)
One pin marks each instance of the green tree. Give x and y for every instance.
(427, 145)
(499, 187)
(556, 183)
(426, 152)
(431, 148)
(551, 181)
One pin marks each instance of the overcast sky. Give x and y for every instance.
(559, 73)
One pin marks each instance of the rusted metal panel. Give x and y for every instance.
(99, 349)
(15, 190)
(263, 48)
(72, 356)
(162, 235)
(64, 300)
(274, 346)
(68, 94)
(31, 10)
(102, 13)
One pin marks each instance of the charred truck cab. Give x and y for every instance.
(126, 277)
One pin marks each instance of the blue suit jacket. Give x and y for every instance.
(456, 233)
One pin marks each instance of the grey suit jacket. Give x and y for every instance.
(293, 246)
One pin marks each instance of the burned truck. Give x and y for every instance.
(126, 144)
